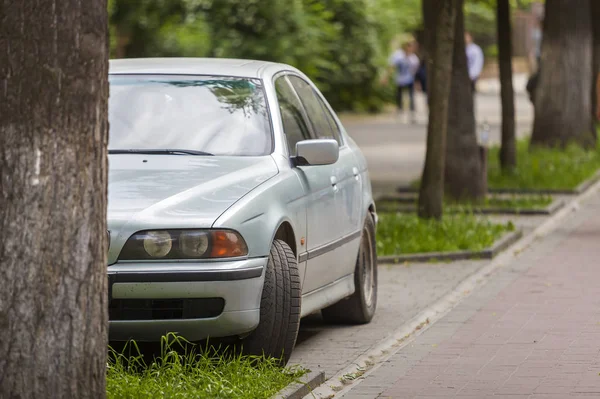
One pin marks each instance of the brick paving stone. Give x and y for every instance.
(404, 291)
(532, 331)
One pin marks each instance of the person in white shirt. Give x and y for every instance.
(405, 63)
(474, 60)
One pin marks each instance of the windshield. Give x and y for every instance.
(201, 114)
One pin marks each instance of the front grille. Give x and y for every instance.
(165, 309)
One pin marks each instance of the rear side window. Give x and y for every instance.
(323, 123)
(294, 125)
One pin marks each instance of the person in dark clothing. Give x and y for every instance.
(421, 76)
(532, 83)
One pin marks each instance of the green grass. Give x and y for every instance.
(399, 233)
(184, 373)
(517, 202)
(544, 168)
(541, 169)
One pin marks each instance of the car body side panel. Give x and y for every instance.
(366, 189)
(320, 298)
(259, 214)
(331, 218)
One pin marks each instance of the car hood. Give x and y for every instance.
(178, 191)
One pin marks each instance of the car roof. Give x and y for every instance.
(195, 66)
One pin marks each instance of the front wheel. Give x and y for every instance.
(277, 330)
(359, 308)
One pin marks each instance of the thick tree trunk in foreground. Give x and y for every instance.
(563, 106)
(53, 183)
(508, 156)
(439, 70)
(595, 4)
(463, 174)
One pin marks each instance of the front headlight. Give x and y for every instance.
(194, 243)
(158, 244)
(184, 244)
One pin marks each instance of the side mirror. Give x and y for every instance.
(316, 152)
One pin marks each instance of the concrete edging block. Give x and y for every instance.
(298, 390)
(487, 253)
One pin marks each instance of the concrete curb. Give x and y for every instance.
(300, 389)
(372, 359)
(581, 188)
(549, 210)
(488, 253)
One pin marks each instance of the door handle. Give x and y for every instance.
(355, 172)
(333, 181)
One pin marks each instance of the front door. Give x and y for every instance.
(334, 203)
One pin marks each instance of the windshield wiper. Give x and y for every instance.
(152, 152)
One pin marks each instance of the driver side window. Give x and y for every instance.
(294, 125)
(323, 124)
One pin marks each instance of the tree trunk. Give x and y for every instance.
(563, 106)
(595, 4)
(439, 69)
(508, 156)
(464, 178)
(428, 10)
(53, 184)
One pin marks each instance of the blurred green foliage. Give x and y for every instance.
(343, 45)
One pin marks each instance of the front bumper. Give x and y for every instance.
(195, 300)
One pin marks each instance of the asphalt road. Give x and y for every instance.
(395, 150)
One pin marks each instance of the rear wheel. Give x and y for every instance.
(359, 308)
(277, 330)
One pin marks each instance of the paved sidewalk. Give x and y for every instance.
(403, 292)
(532, 332)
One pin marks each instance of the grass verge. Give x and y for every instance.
(544, 168)
(182, 372)
(513, 202)
(399, 233)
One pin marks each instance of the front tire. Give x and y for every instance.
(359, 308)
(277, 330)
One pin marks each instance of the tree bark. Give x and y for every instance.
(464, 178)
(563, 106)
(508, 149)
(53, 185)
(595, 4)
(439, 70)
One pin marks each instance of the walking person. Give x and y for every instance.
(405, 63)
(536, 56)
(421, 75)
(474, 60)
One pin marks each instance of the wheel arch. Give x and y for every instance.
(285, 232)
(372, 210)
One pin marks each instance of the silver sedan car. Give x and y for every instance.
(237, 204)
